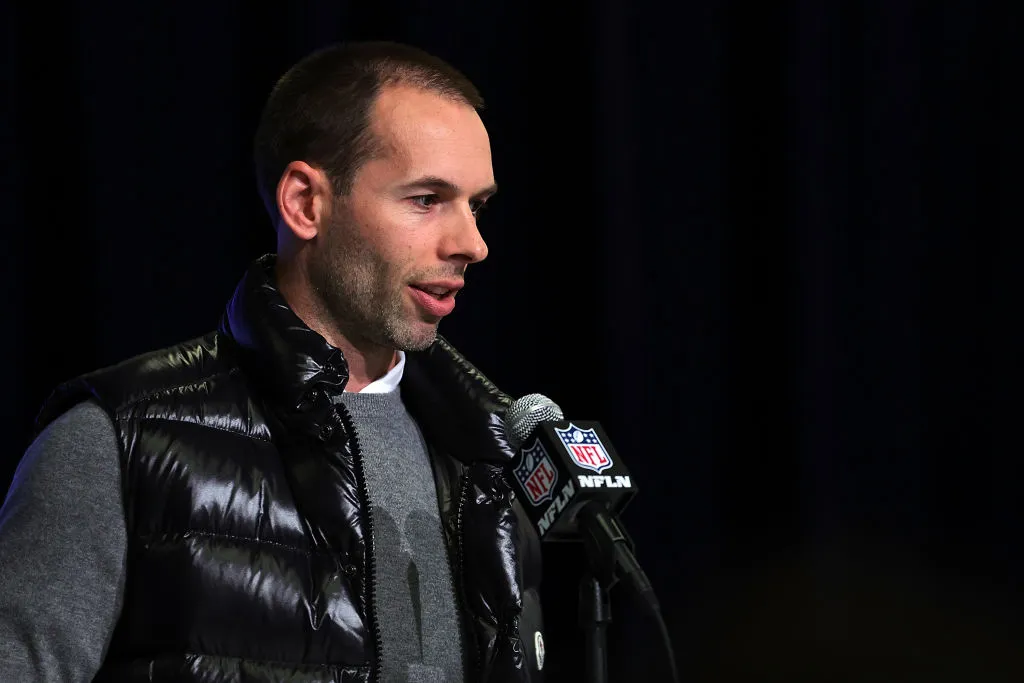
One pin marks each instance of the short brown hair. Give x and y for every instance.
(319, 111)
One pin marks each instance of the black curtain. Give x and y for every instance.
(771, 246)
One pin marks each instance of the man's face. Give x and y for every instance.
(395, 249)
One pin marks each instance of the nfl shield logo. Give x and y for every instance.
(585, 448)
(537, 474)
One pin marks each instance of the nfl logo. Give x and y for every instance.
(537, 474)
(585, 448)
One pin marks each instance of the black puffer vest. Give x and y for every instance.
(250, 552)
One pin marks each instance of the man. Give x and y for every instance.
(314, 491)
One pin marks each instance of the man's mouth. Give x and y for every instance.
(436, 298)
(439, 289)
(435, 291)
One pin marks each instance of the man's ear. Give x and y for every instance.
(303, 199)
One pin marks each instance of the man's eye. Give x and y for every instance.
(426, 200)
(477, 206)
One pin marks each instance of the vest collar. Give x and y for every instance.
(288, 360)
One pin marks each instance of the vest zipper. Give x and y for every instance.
(371, 561)
(476, 664)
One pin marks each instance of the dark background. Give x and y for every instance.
(772, 247)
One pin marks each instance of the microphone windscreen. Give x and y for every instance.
(523, 416)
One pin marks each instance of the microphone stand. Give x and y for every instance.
(602, 537)
(594, 616)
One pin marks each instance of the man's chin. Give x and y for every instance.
(418, 337)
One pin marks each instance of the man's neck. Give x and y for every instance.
(367, 362)
(363, 368)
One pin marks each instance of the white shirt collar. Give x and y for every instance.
(390, 381)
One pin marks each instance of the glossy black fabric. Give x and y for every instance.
(250, 551)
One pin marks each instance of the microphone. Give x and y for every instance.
(574, 484)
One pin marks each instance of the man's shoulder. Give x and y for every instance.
(190, 363)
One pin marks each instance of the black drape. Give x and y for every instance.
(772, 247)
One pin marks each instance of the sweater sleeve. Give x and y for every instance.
(63, 544)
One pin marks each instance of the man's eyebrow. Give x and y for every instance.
(441, 185)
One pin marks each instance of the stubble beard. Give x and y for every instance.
(360, 294)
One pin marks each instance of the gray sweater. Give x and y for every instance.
(63, 543)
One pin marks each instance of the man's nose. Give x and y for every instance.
(464, 241)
